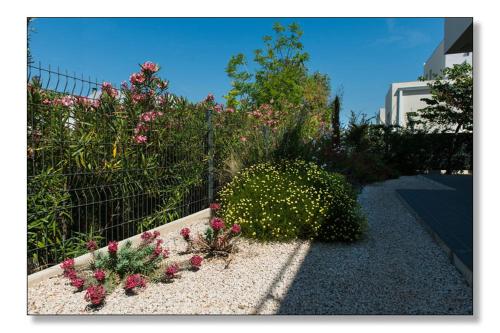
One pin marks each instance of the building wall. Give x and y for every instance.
(410, 95)
(458, 58)
(436, 62)
(381, 117)
(458, 34)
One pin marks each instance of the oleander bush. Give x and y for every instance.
(292, 199)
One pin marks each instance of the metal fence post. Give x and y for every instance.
(210, 142)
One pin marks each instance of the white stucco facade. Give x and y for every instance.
(404, 97)
(380, 120)
(439, 60)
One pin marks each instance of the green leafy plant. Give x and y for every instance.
(292, 199)
(144, 259)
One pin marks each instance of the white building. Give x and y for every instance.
(404, 97)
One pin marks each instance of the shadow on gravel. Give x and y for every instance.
(322, 288)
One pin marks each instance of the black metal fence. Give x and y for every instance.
(88, 178)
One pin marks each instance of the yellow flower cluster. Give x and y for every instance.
(292, 199)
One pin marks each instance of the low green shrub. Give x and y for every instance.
(292, 199)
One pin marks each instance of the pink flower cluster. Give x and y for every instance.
(266, 115)
(171, 271)
(148, 237)
(91, 245)
(215, 206)
(100, 275)
(218, 108)
(149, 67)
(134, 281)
(108, 89)
(196, 261)
(162, 84)
(217, 224)
(112, 247)
(209, 98)
(95, 294)
(236, 229)
(68, 266)
(137, 78)
(141, 127)
(88, 102)
(78, 283)
(185, 233)
(140, 139)
(66, 101)
(150, 116)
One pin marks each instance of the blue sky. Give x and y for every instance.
(363, 56)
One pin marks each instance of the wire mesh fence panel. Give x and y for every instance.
(105, 166)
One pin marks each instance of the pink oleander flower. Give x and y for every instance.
(236, 229)
(185, 233)
(108, 89)
(141, 127)
(138, 97)
(91, 245)
(218, 108)
(134, 281)
(68, 264)
(149, 67)
(99, 275)
(113, 247)
(67, 101)
(171, 271)
(217, 223)
(243, 139)
(137, 78)
(46, 101)
(141, 139)
(214, 206)
(95, 294)
(77, 283)
(95, 103)
(70, 274)
(209, 98)
(196, 261)
(162, 84)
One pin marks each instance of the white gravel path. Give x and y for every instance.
(397, 269)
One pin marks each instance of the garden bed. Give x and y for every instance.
(216, 288)
(396, 269)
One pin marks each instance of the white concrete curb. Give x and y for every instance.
(85, 259)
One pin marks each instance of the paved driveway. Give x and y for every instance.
(449, 212)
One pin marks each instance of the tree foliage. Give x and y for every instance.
(280, 71)
(450, 107)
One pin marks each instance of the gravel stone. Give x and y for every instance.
(396, 269)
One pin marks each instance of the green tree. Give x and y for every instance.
(280, 72)
(335, 119)
(450, 109)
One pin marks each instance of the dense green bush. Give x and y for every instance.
(292, 199)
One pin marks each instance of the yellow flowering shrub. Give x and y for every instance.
(292, 199)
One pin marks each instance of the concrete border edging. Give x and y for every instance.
(84, 260)
(455, 261)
